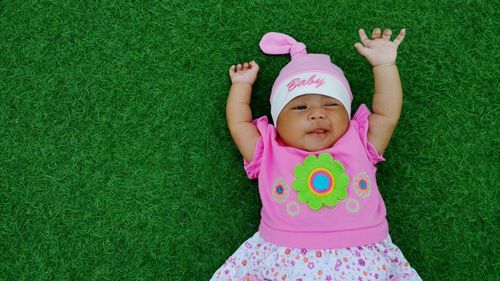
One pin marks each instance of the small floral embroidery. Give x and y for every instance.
(292, 208)
(362, 185)
(310, 265)
(280, 190)
(320, 181)
(337, 265)
(352, 205)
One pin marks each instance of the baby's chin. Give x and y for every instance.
(317, 147)
(312, 146)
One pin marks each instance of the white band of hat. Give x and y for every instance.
(312, 82)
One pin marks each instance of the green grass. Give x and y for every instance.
(117, 163)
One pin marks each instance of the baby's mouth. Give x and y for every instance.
(318, 132)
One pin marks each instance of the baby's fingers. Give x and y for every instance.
(361, 49)
(400, 37)
(254, 65)
(387, 34)
(243, 67)
(363, 37)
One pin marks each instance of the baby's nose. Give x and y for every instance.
(317, 114)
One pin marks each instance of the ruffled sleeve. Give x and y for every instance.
(361, 119)
(253, 168)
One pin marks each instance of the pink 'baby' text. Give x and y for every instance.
(297, 82)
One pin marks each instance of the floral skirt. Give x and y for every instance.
(257, 259)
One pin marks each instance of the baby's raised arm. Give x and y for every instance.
(381, 53)
(238, 111)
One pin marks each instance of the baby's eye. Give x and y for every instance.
(332, 104)
(300, 107)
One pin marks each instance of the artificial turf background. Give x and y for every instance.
(116, 163)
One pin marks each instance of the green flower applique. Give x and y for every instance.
(320, 181)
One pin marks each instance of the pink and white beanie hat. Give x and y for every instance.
(304, 74)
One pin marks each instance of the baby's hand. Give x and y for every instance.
(244, 73)
(379, 50)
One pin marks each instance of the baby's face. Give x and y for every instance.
(312, 122)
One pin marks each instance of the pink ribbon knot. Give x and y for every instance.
(274, 43)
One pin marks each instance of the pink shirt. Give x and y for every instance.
(322, 199)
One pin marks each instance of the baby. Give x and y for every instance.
(322, 217)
